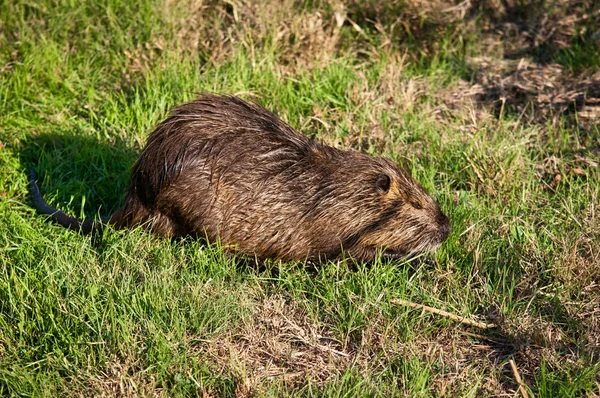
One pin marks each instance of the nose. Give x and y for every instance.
(444, 226)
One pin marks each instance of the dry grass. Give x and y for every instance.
(278, 341)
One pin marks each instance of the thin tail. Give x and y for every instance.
(83, 226)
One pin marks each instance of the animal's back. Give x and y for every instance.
(229, 170)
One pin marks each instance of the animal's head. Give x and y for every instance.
(397, 216)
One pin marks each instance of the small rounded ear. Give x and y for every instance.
(383, 183)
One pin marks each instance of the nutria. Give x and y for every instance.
(232, 172)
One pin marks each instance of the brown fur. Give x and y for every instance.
(230, 171)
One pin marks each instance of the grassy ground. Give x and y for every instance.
(493, 106)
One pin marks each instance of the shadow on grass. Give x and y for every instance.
(79, 174)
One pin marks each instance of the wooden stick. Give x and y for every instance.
(522, 389)
(481, 325)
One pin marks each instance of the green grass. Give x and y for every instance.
(83, 83)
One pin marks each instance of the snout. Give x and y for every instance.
(444, 226)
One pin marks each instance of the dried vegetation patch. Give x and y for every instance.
(522, 74)
(540, 92)
(303, 37)
(278, 341)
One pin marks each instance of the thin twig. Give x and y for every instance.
(481, 325)
(522, 389)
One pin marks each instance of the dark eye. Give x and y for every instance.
(416, 205)
(383, 183)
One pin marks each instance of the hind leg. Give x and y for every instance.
(163, 225)
(134, 214)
